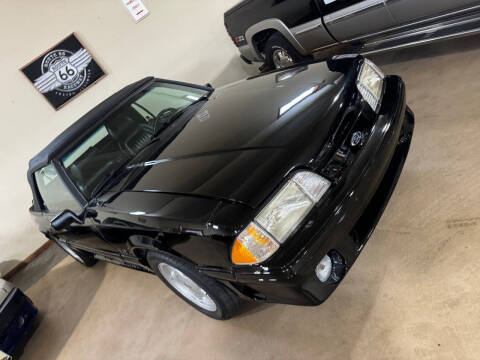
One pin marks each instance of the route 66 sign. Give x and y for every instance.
(64, 71)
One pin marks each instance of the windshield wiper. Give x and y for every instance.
(108, 178)
(177, 114)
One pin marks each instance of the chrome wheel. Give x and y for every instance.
(281, 58)
(187, 287)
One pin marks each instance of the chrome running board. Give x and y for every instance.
(448, 29)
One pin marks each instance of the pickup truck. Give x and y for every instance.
(282, 32)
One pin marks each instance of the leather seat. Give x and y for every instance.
(130, 134)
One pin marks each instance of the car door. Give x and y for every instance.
(405, 11)
(350, 19)
(57, 196)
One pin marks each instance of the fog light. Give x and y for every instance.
(324, 269)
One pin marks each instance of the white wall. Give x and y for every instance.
(181, 39)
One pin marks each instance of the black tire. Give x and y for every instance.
(85, 258)
(226, 301)
(278, 42)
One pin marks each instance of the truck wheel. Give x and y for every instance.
(203, 293)
(280, 53)
(85, 258)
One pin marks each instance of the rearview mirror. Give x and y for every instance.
(65, 218)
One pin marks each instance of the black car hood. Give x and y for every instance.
(246, 138)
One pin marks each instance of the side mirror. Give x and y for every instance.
(65, 218)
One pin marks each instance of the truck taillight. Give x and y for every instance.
(238, 39)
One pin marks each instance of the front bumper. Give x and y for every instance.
(357, 210)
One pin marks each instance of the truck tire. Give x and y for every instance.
(280, 53)
(205, 294)
(85, 258)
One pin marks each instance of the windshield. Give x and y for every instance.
(125, 132)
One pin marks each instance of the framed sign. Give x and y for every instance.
(63, 71)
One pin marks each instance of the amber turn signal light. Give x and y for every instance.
(253, 246)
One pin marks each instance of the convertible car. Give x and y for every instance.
(266, 189)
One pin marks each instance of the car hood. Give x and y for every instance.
(246, 138)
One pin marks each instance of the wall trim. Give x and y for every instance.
(21, 265)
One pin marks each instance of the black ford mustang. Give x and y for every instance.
(266, 189)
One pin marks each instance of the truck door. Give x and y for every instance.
(405, 11)
(350, 19)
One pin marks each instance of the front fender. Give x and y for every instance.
(271, 24)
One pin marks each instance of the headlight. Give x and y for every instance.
(279, 218)
(370, 84)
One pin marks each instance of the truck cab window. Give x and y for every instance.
(55, 194)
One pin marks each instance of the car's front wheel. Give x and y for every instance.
(280, 53)
(203, 293)
(85, 258)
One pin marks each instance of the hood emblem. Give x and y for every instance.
(357, 138)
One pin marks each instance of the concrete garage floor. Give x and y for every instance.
(413, 293)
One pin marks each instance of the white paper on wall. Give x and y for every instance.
(137, 9)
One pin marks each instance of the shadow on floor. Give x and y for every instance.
(60, 315)
(39, 266)
(329, 324)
